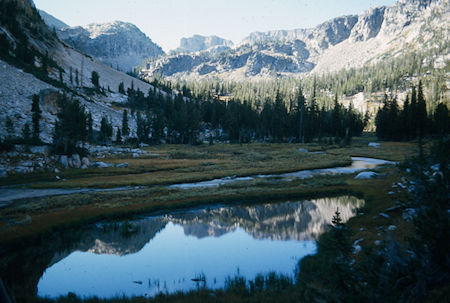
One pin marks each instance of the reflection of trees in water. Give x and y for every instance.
(280, 221)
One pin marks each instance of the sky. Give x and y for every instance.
(167, 21)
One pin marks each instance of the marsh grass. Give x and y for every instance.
(219, 160)
(198, 163)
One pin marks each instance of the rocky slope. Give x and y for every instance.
(198, 43)
(15, 98)
(343, 42)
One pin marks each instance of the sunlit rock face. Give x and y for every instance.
(200, 43)
(284, 221)
(119, 44)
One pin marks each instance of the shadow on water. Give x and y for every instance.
(173, 252)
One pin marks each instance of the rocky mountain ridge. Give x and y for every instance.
(343, 42)
(121, 45)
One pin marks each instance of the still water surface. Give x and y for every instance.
(164, 254)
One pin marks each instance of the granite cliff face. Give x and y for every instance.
(198, 43)
(118, 44)
(349, 41)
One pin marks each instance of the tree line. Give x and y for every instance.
(413, 120)
(179, 119)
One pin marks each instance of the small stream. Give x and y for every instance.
(358, 164)
(12, 193)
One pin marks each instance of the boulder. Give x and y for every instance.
(357, 249)
(102, 164)
(42, 150)
(76, 161)
(122, 165)
(23, 169)
(69, 161)
(366, 175)
(85, 161)
(409, 214)
(64, 161)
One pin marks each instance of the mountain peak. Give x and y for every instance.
(110, 28)
(199, 43)
(119, 44)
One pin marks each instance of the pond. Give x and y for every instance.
(179, 251)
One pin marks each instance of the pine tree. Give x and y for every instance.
(421, 112)
(70, 127)
(118, 136)
(125, 128)
(77, 80)
(36, 117)
(106, 130)
(26, 133)
(95, 79)
(441, 119)
(413, 114)
(90, 128)
(301, 113)
(122, 88)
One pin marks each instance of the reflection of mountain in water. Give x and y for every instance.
(278, 221)
(281, 221)
(116, 238)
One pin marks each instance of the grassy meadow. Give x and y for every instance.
(182, 164)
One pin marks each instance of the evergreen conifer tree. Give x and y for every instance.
(122, 88)
(26, 133)
(441, 119)
(36, 117)
(95, 79)
(125, 128)
(106, 130)
(421, 112)
(118, 136)
(70, 128)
